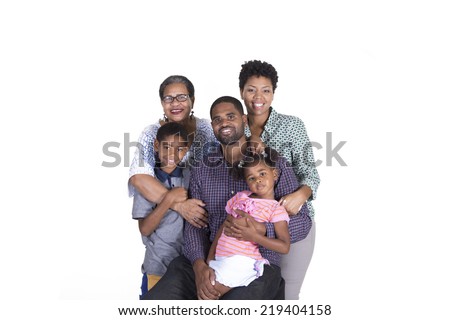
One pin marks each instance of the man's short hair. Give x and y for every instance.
(237, 104)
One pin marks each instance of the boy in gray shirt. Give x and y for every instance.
(161, 227)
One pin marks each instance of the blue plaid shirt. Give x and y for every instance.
(212, 183)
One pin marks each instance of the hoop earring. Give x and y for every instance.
(165, 118)
(191, 116)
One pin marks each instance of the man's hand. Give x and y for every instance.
(205, 279)
(193, 212)
(234, 227)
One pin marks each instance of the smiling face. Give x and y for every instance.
(177, 111)
(227, 123)
(171, 151)
(257, 95)
(261, 179)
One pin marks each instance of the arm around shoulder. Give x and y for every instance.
(149, 187)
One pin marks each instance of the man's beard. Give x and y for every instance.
(228, 140)
(231, 139)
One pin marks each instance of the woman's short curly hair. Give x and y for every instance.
(259, 69)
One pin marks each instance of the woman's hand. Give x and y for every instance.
(193, 212)
(293, 202)
(176, 195)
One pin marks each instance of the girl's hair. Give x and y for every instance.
(269, 157)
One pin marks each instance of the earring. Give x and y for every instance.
(191, 116)
(165, 118)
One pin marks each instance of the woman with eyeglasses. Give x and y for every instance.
(177, 99)
(286, 134)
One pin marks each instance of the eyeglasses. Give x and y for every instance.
(180, 98)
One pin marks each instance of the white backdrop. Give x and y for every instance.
(77, 75)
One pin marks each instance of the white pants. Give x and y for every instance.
(295, 263)
(237, 271)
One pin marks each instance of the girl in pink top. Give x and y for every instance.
(237, 262)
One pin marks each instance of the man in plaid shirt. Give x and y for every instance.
(189, 276)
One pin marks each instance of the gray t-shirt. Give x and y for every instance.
(166, 242)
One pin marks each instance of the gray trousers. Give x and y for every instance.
(295, 263)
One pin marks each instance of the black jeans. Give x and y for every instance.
(178, 283)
